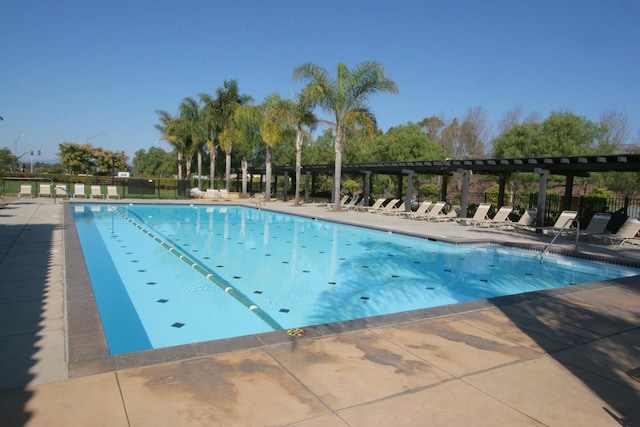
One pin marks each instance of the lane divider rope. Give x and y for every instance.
(212, 277)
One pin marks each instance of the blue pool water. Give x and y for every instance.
(166, 275)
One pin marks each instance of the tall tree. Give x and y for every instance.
(246, 123)
(194, 131)
(346, 97)
(171, 133)
(284, 117)
(219, 112)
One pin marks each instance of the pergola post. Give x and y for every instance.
(306, 186)
(464, 197)
(367, 188)
(285, 186)
(407, 201)
(568, 193)
(542, 197)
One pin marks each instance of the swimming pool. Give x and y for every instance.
(166, 275)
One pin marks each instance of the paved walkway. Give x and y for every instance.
(566, 357)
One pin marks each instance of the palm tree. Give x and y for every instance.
(171, 134)
(282, 117)
(210, 128)
(246, 122)
(345, 97)
(190, 113)
(219, 113)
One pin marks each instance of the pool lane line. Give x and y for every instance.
(237, 295)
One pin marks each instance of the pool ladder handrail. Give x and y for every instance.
(568, 222)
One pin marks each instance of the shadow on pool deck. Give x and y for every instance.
(566, 356)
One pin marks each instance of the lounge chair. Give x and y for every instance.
(25, 190)
(353, 202)
(196, 193)
(212, 194)
(566, 220)
(78, 191)
(434, 211)
(499, 218)
(626, 234)
(527, 220)
(398, 209)
(96, 192)
(377, 205)
(597, 224)
(390, 205)
(224, 194)
(331, 205)
(452, 215)
(45, 190)
(112, 192)
(479, 217)
(422, 209)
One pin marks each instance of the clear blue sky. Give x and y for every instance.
(71, 70)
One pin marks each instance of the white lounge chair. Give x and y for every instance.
(196, 193)
(25, 190)
(597, 224)
(452, 215)
(224, 194)
(626, 234)
(212, 194)
(96, 192)
(45, 190)
(352, 203)
(376, 205)
(478, 217)
(390, 205)
(78, 191)
(112, 192)
(566, 220)
(422, 209)
(527, 220)
(434, 210)
(499, 218)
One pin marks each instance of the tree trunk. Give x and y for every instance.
(212, 168)
(179, 166)
(227, 174)
(298, 166)
(200, 169)
(245, 167)
(267, 191)
(337, 174)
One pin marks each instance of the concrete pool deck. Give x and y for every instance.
(565, 357)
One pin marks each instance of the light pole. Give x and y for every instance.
(104, 133)
(15, 145)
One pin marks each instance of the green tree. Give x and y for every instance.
(219, 113)
(107, 161)
(172, 132)
(76, 158)
(154, 162)
(346, 97)
(245, 128)
(285, 118)
(561, 134)
(195, 133)
(7, 160)
(407, 142)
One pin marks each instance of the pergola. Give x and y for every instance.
(568, 166)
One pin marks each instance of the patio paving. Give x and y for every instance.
(565, 357)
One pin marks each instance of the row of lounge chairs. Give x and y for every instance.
(209, 194)
(565, 224)
(78, 191)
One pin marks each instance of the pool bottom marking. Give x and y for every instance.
(237, 295)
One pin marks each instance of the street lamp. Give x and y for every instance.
(104, 133)
(15, 145)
